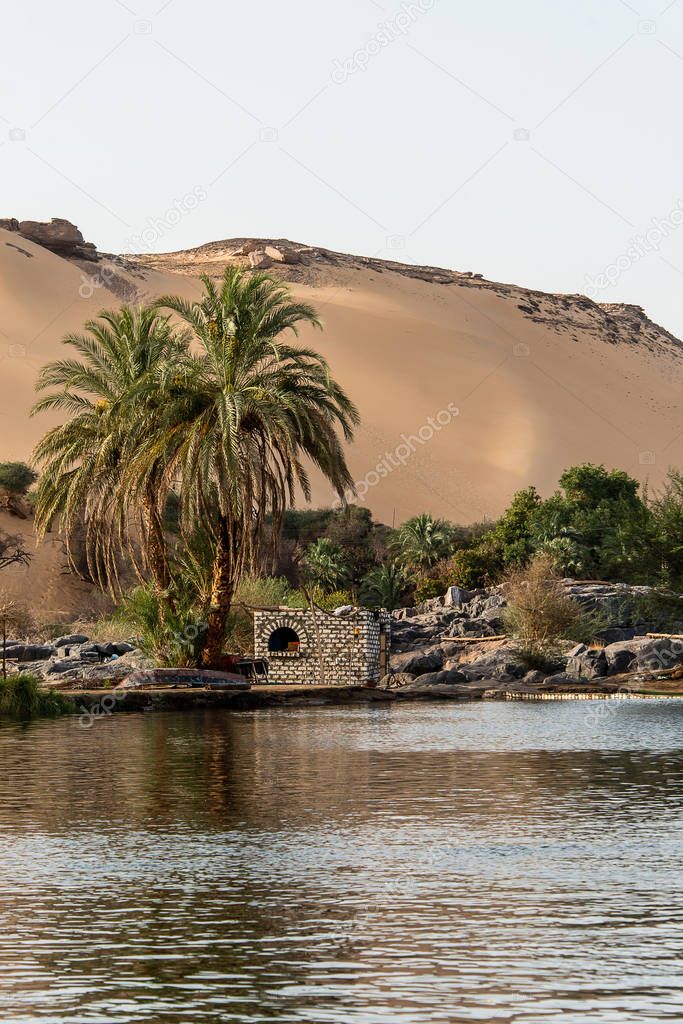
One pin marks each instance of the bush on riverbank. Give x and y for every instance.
(22, 696)
(540, 615)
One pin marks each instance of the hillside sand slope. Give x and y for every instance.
(468, 389)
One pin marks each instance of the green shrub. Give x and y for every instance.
(16, 477)
(540, 615)
(478, 566)
(324, 565)
(23, 696)
(328, 602)
(384, 586)
(172, 639)
(426, 588)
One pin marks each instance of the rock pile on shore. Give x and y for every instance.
(73, 658)
(458, 640)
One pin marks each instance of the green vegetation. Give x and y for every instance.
(423, 541)
(16, 478)
(384, 586)
(324, 565)
(540, 615)
(23, 697)
(597, 525)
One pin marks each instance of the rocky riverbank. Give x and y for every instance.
(457, 641)
(451, 647)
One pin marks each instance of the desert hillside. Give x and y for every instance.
(468, 389)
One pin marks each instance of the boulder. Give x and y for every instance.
(446, 676)
(425, 659)
(448, 691)
(9, 223)
(559, 679)
(616, 634)
(123, 647)
(643, 654)
(62, 665)
(259, 260)
(72, 640)
(499, 664)
(583, 663)
(59, 236)
(282, 254)
(620, 657)
(32, 652)
(534, 677)
(456, 597)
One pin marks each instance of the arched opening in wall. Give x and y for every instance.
(284, 639)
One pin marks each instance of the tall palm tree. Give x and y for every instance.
(243, 410)
(423, 541)
(90, 476)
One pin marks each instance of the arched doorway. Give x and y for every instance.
(284, 639)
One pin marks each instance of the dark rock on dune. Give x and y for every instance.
(58, 235)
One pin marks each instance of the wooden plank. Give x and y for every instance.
(472, 639)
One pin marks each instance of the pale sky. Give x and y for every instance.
(530, 141)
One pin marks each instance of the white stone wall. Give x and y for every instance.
(349, 644)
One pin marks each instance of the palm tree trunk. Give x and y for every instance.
(155, 545)
(222, 591)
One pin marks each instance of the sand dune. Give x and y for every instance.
(539, 382)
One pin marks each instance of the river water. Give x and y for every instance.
(425, 863)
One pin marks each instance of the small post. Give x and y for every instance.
(318, 644)
(6, 607)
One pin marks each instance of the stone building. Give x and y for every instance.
(300, 645)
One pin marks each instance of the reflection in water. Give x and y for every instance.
(512, 862)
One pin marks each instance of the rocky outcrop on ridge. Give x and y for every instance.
(570, 315)
(58, 235)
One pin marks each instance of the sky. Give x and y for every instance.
(537, 142)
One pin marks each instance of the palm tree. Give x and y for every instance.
(384, 586)
(90, 476)
(242, 412)
(325, 566)
(423, 541)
